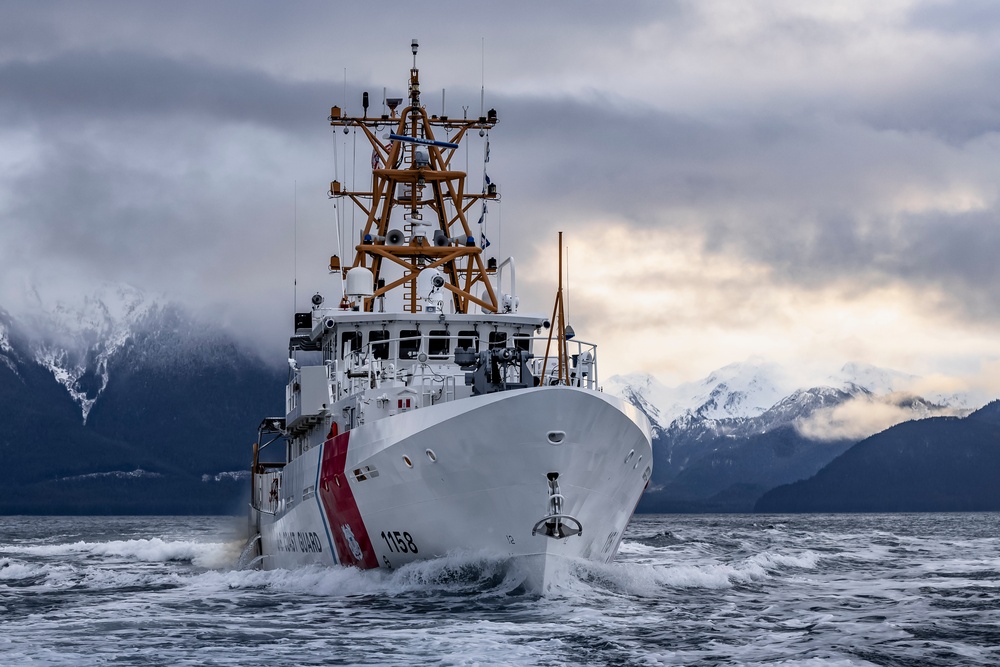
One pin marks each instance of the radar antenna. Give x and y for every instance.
(412, 174)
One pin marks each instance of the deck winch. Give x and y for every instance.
(499, 369)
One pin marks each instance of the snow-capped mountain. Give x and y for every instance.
(7, 355)
(747, 426)
(134, 405)
(75, 339)
(736, 391)
(875, 380)
(746, 391)
(117, 382)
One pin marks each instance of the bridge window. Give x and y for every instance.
(379, 350)
(437, 343)
(498, 339)
(409, 343)
(352, 338)
(469, 339)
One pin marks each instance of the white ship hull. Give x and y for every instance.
(469, 476)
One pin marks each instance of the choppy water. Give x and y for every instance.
(685, 590)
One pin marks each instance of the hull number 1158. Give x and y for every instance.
(399, 542)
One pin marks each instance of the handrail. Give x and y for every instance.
(363, 366)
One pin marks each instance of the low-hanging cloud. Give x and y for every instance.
(864, 416)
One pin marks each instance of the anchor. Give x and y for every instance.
(556, 524)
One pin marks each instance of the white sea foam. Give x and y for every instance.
(154, 550)
(718, 590)
(450, 573)
(644, 568)
(13, 570)
(771, 561)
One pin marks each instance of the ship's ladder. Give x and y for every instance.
(410, 297)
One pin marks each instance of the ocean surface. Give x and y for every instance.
(911, 589)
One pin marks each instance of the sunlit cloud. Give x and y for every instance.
(686, 311)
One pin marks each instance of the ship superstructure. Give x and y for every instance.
(426, 415)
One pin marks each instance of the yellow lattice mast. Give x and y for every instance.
(412, 173)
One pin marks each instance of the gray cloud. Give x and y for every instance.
(161, 143)
(813, 198)
(968, 16)
(958, 253)
(84, 87)
(955, 106)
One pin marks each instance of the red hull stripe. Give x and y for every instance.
(350, 537)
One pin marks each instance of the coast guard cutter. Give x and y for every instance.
(425, 414)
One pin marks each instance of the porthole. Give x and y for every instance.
(431, 455)
(407, 461)
(556, 437)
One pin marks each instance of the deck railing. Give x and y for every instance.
(363, 368)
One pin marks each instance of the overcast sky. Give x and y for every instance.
(809, 183)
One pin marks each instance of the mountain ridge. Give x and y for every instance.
(936, 464)
(126, 402)
(728, 436)
(169, 408)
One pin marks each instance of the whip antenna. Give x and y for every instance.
(295, 244)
